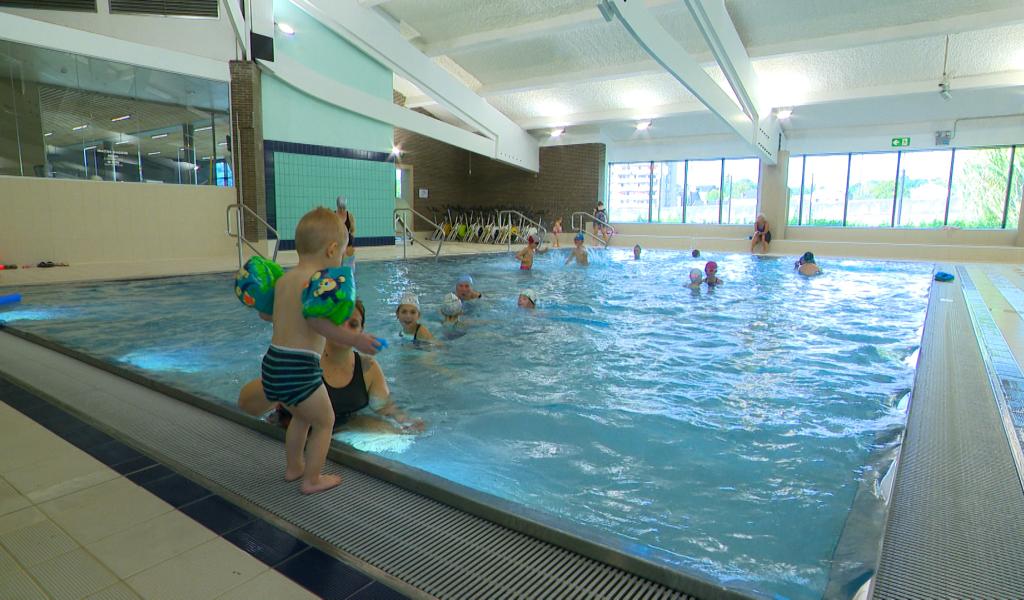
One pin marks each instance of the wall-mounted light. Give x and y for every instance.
(286, 28)
(396, 150)
(643, 125)
(784, 113)
(557, 132)
(158, 136)
(121, 118)
(79, 128)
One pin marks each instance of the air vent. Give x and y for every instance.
(80, 5)
(181, 8)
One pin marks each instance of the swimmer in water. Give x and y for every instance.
(408, 315)
(636, 252)
(525, 256)
(806, 265)
(464, 289)
(579, 252)
(696, 278)
(527, 299)
(711, 270)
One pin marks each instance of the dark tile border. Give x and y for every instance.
(272, 146)
(316, 571)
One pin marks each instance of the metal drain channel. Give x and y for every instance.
(429, 545)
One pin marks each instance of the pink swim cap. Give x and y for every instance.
(711, 266)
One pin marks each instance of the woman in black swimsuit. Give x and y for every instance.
(353, 382)
(762, 234)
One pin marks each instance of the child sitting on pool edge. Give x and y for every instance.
(806, 265)
(291, 372)
(711, 270)
(408, 315)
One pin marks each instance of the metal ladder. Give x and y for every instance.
(507, 214)
(582, 226)
(402, 218)
(239, 232)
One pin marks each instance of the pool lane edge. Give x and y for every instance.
(597, 545)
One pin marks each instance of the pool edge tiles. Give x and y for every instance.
(1005, 374)
(247, 531)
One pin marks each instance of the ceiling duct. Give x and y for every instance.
(79, 5)
(179, 8)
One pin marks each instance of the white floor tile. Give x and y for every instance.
(202, 573)
(150, 543)
(103, 510)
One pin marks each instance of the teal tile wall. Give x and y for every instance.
(303, 182)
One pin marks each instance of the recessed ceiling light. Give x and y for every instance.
(152, 153)
(784, 113)
(158, 136)
(643, 125)
(79, 128)
(207, 157)
(286, 28)
(557, 132)
(223, 144)
(48, 134)
(121, 118)
(198, 129)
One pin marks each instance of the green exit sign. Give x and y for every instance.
(900, 141)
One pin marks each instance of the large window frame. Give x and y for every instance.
(656, 185)
(799, 195)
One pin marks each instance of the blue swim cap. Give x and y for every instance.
(464, 279)
(580, 237)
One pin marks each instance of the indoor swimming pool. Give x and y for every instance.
(731, 432)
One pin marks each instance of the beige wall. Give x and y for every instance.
(97, 221)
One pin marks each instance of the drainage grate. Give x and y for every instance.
(428, 545)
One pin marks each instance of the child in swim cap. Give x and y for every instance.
(451, 309)
(579, 252)
(527, 299)
(525, 256)
(408, 314)
(711, 271)
(464, 288)
(806, 265)
(696, 278)
(695, 253)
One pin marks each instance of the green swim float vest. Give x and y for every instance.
(331, 294)
(254, 283)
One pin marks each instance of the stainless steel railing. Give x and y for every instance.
(239, 233)
(507, 216)
(577, 222)
(401, 216)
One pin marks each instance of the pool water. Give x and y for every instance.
(725, 431)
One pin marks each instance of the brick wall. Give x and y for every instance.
(570, 178)
(247, 110)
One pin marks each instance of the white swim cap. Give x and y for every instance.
(529, 293)
(341, 203)
(410, 299)
(451, 305)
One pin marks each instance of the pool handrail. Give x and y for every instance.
(582, 227)
(540, 228)
(240, 231)
(399, 215)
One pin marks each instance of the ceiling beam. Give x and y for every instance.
(372, 3)
(718, 30)
(373, 35)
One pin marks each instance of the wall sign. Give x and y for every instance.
(900, 142)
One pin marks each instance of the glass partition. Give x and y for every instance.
(977, 196)
(923, 187)
(869, 197)
(739, 191)
(703, 191)
(824, 189)
(796, 177)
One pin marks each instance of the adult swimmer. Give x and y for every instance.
(353, 382)
(350, 224)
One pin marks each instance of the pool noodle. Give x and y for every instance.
(10, 299)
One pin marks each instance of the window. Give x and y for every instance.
(796, 175)
(739, 194)
(869, 199)
(1013, 199)
(977, 198)
(824, 190)
(669, 185)
(923, 188)
(629, 192)
(703, 191)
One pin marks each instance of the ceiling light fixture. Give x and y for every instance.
(79, 128)
(87, 148)
(286, 28)
(784, 113)
(121, 118)
(396, 150)
(152, 153)
(643, 125)
(208, 127)
(123, 142)
(206, 158)
(557, 132)
(223, 144)
(48, 134)
(158, 136)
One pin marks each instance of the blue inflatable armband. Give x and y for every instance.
(254, 284)
(331, 294)
(10, 299)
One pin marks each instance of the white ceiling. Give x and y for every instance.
(557, 63)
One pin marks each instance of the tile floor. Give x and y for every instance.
(85, 516)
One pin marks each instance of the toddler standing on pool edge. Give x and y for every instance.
(302, 319)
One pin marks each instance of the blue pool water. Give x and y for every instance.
(728, 430)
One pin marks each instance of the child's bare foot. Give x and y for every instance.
(325, 482)
(293, 474)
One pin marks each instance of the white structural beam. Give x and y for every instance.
(372, 34)
(762, 135)
(715, 24)
(338, 94)
(57, 37)
(234, 12)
